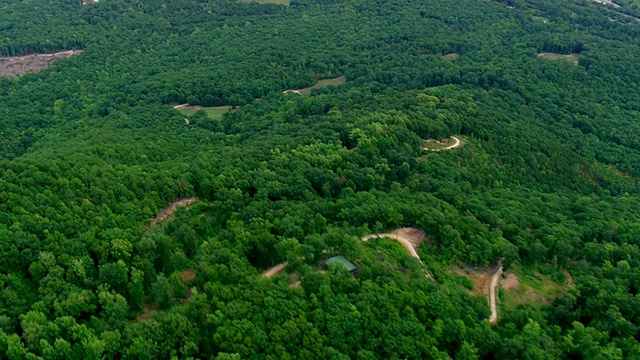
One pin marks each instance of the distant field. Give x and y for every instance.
(213, 112)
(321, 84)
(281, 2)
(450, 57)
(20, 65)
(552, 56)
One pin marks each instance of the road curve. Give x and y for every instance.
(169, 210)
(492, 295)
(456, 143)
(401, 239)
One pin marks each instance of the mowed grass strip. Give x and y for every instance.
(279, 2)
(534, 288)
(214, 112)
(340, 80)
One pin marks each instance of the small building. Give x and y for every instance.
(348, 265)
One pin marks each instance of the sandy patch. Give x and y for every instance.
(511, 282)
(450, 57)
(169, 210)
(20, 65)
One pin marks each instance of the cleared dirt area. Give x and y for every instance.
(492, 296)
(20, 65)
(481, 280)
(485, 283)
(450, 57)
(552, 56)
(320, 84)
(402, 236)
(511, 282)
(446, 144)
(187, 276)
(532, 288)
(169, 210)
(214, 112)
(410, 238)
(274, 270)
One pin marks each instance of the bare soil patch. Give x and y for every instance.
(274, 270)
(169, 210)
(450, 57)
(532, 289)
(20, 65)
(481, 279)
(511, 282)
(415, 236)
(569, 277)
(146, 312)
(187, 276)
(485, 283)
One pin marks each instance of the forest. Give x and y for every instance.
(151, 179)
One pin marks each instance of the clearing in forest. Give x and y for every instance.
(279, 2)
(340, 80)
(450, 57)
(274, 270)
(446, 144)
(214, 112)
(526, 286)
(410, 238)
(169, 210)
(485, 283)
(552, 56)
(20, 65)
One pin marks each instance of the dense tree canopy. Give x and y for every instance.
(91, 150)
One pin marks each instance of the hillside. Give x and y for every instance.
(504, 132)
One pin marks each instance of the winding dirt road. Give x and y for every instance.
(456, 143)
(169, 210)
(492, 296)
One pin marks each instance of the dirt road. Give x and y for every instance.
(274, 270)
(401, 239)
(169, 210)
(492, 296)
(456, 143)
(406, 242)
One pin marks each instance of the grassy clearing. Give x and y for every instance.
(552, 56)
(445, 144)
(340, 80)
(280, 2)
(213, 112)
(450, 57)
(532, 288)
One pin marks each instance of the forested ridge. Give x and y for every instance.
(545, 183)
